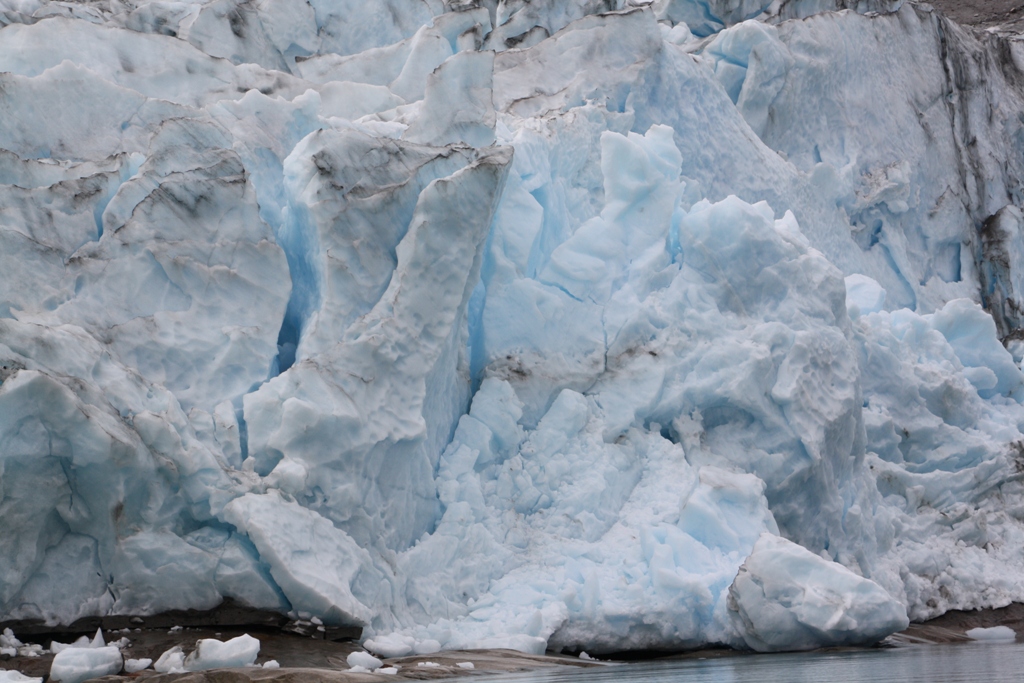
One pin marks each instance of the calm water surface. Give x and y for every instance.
(977, 663)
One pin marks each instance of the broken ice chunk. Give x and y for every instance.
(135, 665)
(995, 634)
(77, 664)
(787, 598)
(211, 653)
(364, 660)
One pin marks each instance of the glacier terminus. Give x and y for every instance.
(549, 325)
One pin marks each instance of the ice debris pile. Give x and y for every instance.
(89, 658)
(601, 324)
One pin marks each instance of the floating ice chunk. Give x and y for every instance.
(271, 664)
(391, 670)
(8, 639)
(995, 634)
(76, 664)
(787, 598)
(465, 665)
(211, 653)
(429, 665)
(135, 665)
(364, 659)
(171, 660)
(10, 676)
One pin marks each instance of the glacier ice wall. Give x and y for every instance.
(602, 324)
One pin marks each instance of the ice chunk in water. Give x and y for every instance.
(995, 634)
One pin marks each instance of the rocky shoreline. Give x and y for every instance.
(307, 653)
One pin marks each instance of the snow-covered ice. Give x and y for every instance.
(542, 325)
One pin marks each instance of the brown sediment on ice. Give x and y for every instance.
(952, 626)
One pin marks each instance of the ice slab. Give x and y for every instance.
(788, 598)
(994, 634)
(74, 664)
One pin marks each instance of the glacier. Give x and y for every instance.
(605, 324)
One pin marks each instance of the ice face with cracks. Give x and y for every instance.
(525, 324)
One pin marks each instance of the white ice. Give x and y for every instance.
(171, 661)
(791, 599)
(12, 676)
(135, 665)
(545, 325)
(364, 660)
(75, 664)
(994, 634)
(211, 653)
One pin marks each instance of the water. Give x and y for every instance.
(981, 662)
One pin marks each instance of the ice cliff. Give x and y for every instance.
(601, 324)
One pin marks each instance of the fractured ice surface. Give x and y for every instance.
(578, 325)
